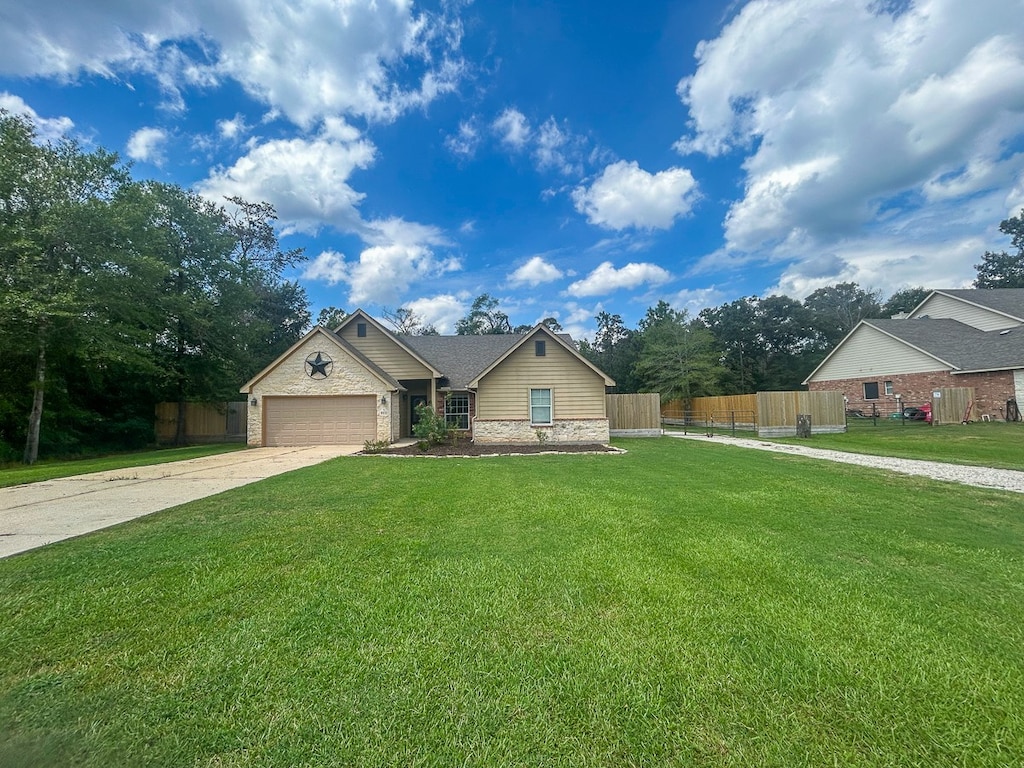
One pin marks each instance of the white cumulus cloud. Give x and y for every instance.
(606, 278)
(307, 180)
(625, 195)
(854, 113)
(306, 58)
(47, 128)
(512, 128)
(534, 272)
(442, 311)
(147, 145)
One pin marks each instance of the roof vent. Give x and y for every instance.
(1003, 333)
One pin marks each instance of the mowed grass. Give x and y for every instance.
(19, 474)
(986, 444)
(683, 604)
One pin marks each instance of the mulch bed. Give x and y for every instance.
(472, 449)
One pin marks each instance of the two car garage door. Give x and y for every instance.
(341, 420)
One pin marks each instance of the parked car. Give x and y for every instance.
(914, 413)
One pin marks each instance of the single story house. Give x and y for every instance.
(953, 338)
(363, 382)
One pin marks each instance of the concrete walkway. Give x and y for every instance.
(40, 513)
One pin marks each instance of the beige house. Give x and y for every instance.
(363, 382)
(954, 338)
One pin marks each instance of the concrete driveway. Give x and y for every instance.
(40, 513)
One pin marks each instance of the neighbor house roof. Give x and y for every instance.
(963, 347)
(1006, 301)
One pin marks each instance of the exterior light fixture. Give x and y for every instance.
(254, 402)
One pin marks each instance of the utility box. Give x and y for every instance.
(803, 425)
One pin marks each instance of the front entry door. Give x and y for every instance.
(415, 401)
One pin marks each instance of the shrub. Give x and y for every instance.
(432, 428)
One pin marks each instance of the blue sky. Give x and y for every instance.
(567, 158)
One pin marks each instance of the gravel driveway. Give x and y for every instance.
(40, 513)
(982, 477)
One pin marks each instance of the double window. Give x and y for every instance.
(456, 411)
(540, 406)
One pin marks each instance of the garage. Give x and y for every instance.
(321, 420)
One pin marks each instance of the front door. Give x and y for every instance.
(415, 401)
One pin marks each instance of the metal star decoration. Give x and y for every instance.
(318, 366)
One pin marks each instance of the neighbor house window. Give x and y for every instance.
(361, 330)
(540, 348)
(870, 390)
(456, 411)
(888, 388)
(540, 406)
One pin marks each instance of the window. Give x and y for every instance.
(870, 390)
(540, 348)
(361, 330)
(888, 388)
(456, 411)
(540, 406)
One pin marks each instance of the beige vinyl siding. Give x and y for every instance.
(869, 352)
(576, 391)
(385, 352)
(944, 307)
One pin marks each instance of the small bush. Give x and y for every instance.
(375, 446)
(432, 428)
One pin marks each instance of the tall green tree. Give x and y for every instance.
(57, 231)
(1002, 269)
(835, 310)
(903, 301)
(614, 350)
(484, 317)
(678, 358)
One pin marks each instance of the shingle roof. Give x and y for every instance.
(461, 358)
(1009, 301)
(962, 346)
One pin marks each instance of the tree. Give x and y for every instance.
(1004, 270)
(614, 351)
(407, 323)
(484, 317)
(256, 249)
(331, 317)
(678, 358)
(836, 309)
(56, 234)
(903, 301)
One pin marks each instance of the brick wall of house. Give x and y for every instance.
(991, 390)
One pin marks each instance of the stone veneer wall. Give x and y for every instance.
(348, 377)
(991, 390)
(511, 431)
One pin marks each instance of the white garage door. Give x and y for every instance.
(349, 420)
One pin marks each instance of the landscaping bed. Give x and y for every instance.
(466, 448)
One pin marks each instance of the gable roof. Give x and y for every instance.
(463, 357)
(399, 340)
(557, 338)
(371, 366)
(1005, 301)
(957, 346)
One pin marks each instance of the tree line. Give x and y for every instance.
(116, 294)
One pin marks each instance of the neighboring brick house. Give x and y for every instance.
(954, 338)
(362, 382)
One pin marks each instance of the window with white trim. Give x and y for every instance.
(540, 406)
(456, 411)
(888, 388)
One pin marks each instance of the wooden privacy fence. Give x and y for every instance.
(953, 405)
(772, 414)
(203, 422)
(634, 415)
(777, 412)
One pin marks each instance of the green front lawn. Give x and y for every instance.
(18, 474)
(986, 444)
(683, 604)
